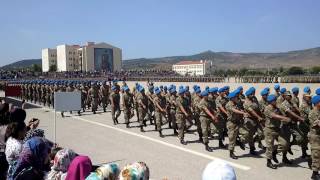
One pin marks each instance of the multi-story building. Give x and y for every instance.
(90, 57)
(193, 68)
(49, 59)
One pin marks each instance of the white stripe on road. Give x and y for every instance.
(203, 155)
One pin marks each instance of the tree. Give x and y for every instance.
(53, 68)
(36, 68)
(295, 70)
(315, 70)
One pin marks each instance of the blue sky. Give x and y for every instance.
(156, 28)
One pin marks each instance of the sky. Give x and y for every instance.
(158, 28)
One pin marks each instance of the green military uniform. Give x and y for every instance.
(180, 116)
(160, 100)
(205, 119)
(127, 102)
(251, 122)
(93, 94)
(150, 116)
(280, 99)
(222, 118)
(216, 127)
(196, 114)
(233, 124)
(104, 94)
(314, 138)
(142, 111)
(295, 101)
(172, 111)
(305, 110)
(272, 132)
(115, 109)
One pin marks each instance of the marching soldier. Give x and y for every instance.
(305, 109)
(206, 116)
(221, 102)
(295, 99)
(196, 112)
(281, 98)
(142, 102)
(93, 95)
(173, 107)
(160, 105)
(127, 103)
(181, 114)
(104, 94)
(150, 96)
(115, 104)
(314, 136)
(277, 90)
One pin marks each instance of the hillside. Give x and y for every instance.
(22, 64)
(221, 60)
(302, 58)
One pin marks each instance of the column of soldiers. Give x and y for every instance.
(279, 117)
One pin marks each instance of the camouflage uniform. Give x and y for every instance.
(251, 122)
(272, 132)
(305, 110)
(115, 109)
(205, 119)
(233, 124)
(142, 111)
(93, 95)
(127, 102)
(196, 114)
(222, 118)
(160, 100)
(180, 116)
(172, 112)
(314, 138)
(104, 94)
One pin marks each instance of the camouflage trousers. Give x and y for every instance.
(172, 118)
(127, 113)
(158, 117)
(205, 126)
(181, 123)
(218, 127)
(141, 115)
(236, 129)
(314, 140)
(272, 134)
(104, 102)
(94, 104)
(115, 113)
(196, 118)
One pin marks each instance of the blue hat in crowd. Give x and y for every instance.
(187, 88)
(276, 87)
(113, 88)
(315, 99)
(232, 95)
(172, 90)
(240, 88)
(157, 90)
(264, 92)
(141, 88)
(283, 90)
(318, 91)
(250, 91)
(267, 89)
(198, 90)
(221, 90)
(204, 93)
(237, 91)
(165, 87)
(213, 90)
(295, 90)
(194, 87)
(271, 98)
(181, 90)
(125, 88)
(207, 88)
(306, 89)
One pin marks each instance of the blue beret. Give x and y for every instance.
(283, 90)
(271, 98)
(172, 90)
(181, 90)
(227, 87)
(237, 91)
(240, 88)
(157, 90)
(318, 91)
(277, 87)
(250, 91)
(113, 88)
(125, 88)
(221, 90)
(295, 90)
(141, 88)
(165, 87)
(204, 93)
(306, 89)
(267, 89)
(206, 88)
(232, 95)
(198, 90)
(213, 90)
(264, 92)
(187, 88)
(315, 99)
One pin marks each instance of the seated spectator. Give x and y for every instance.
(79, 168)
(218, 170)
(107, 171)
(61, 162)
(137, 170)
(33, 160)
(4, 135)
(16, 132)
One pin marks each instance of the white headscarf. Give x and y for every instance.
(218, 170)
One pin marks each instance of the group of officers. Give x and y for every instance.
(239, 115)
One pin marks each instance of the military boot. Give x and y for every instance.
(160, 134)
(315, 175)
(285, 159)
(240, 144)
(304, 153)
(232, 155)
(221, 145)
(141, 129)
(175, 132)
(253, 151)
(127, 125)
(274, 156)
(270, 165)
(208, 148)
(183, 142)
(261, 146)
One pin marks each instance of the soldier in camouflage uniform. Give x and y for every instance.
(160, 109)
(287, 109)
(181, 114)
(127, 103)
(234, 122)
(196, 112)
(206, 116)
(142, 102)
(295, 98)
(115, 104)
(281, 98)
(305, 108)
(93, 95)
(172, 109)
(314, 137)
(150, 96)
(272, 132)
(221, 102)
(277, 90)
(104, 95)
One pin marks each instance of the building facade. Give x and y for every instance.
(193, 68)
(89, 57)
(49, 59)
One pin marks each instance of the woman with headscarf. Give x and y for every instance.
(137, 170)
(109, 171)
(79, 168)
(32, 160)
(61, 163)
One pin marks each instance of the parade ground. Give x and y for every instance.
(96, 136)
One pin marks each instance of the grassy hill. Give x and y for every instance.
(22, 64)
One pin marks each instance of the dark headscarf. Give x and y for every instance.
(34, 154)
(4, 111)
(18, 115)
